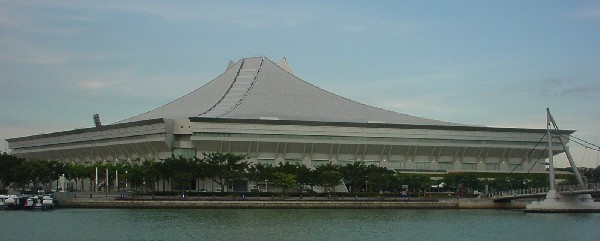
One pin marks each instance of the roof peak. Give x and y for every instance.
(257, 87)
(284, 65)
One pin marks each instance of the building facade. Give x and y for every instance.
(258, 107)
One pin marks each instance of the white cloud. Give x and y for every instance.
(27, 21)
(422, 104)
(134, 82)
(238, 13)
(366, 24)
(587, 12)
(26, 52)
(96, 84)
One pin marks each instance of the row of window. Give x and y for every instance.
(403, 165)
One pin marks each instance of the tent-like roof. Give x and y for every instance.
(257, 88)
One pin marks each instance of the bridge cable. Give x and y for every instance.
(539, 158)
(557, 130)
(589, 143)
(586, 145)
(528, 153)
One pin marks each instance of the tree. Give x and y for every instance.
(328, 175)
(415, 182)
(225, 168)
(356, 173)
(380, 178)
(8, 166)
(36, 171)
(151, 172)
(75, 171)
(286, 167)
(305, 175)
(179, 171)
(284, 180)
(199, 169)
(55, 169)
(260, 172)
(465, 180)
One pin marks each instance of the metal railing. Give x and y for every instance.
(529, 191)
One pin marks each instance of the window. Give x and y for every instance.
(319, 162)
(422, 165)
(469, 166)
(516, 167)
(492, 166)
(446, 165)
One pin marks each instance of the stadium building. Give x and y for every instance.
(258, 107)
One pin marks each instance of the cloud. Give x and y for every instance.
(27, 52)
(587, 12)
(559, 87)
(587, 90)
(96, 84)
(29, 21)
(132, 81)
(237, 13)
(554, 81)
(367, 24)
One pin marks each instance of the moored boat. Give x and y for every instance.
(39, 202)
(47, 202)
(2, 201)
(13, 202)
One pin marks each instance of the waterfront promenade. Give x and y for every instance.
(116, 200)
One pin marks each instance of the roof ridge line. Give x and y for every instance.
(241, 99)
(247, 90)
(228, 89)
(170, 102)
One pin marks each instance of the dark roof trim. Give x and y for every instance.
(370, 125)
(90, 129)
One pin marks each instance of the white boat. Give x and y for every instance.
(12, 202)
(47, 202)
(39, 202)
(2, 201)
(30, 202)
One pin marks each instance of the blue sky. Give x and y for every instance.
(489, 63)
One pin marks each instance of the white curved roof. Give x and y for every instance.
(257, 88)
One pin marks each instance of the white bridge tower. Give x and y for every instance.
(574, 201)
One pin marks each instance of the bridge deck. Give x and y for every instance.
(516, 195)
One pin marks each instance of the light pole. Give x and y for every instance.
(267, 185)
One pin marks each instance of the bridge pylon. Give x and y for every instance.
(561, 202)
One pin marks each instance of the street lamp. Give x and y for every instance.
(267, 185)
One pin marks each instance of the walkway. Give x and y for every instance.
(507, 196)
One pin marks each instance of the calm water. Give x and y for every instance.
(213, 224)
